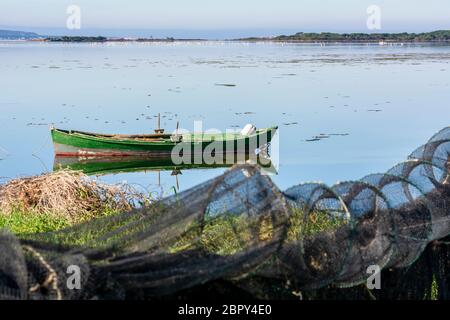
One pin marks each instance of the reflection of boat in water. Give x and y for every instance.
(77, 143)
(112, 165)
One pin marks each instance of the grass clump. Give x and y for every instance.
(24, 223)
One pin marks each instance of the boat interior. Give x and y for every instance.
(120, 136)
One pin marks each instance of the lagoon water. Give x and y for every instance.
(372, 105)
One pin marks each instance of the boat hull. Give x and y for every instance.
(64, 150)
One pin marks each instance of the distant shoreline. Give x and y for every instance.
(274, 41)
(441, 36)
(238, 41)
(436, 37)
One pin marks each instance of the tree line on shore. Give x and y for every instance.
(435, 36)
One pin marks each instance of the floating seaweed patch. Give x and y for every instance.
(322, 136)
(339, 134)
(37, 124)
(246, 113)
(209, 62)
(313, 140)
(225, 84)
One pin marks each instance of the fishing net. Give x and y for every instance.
(239, 235)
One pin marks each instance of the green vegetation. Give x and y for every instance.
(316, 222)
(435, 36)
(23, 222)
(168, 39)
(223, 235)
(434, 290)
(228, 234)
(20, 222)
(76, 39)
(105, 39)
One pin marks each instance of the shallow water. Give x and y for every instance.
(344, 110)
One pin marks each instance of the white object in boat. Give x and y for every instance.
(248, 130)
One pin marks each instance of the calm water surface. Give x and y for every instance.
(380, 101)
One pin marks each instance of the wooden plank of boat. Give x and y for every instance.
(78, 143)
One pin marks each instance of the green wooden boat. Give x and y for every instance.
(72, 143)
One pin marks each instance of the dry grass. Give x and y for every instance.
(68, 194)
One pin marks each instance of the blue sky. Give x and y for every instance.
(232, 16)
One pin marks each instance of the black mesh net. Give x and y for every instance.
(239, 235)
